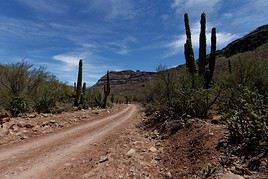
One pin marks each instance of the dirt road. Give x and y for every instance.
(40, 157)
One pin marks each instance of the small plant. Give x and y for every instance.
(209, 171)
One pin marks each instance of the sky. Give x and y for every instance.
(115, 34)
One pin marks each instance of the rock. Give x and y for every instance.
(231, 176)
(4, 115)
(14, 128)
(89, 174)
(24, 125)
(35, 129)
(32, 115)
(131, 152)
(22, 136)
(103, 158)
(171, 127)
(49, 123)
(3, 132)
(67, 164)
(157, 158)
(153, 149)
(44, 115)
(21, 124)
(158, 144)
(52, 121)
(169, 175)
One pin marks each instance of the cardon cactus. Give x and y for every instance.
(205, 73)
(106, 90)
(82, 101)
(212, 59)
(213, 52)
(79, 84)
(202, 46)
(188, 49)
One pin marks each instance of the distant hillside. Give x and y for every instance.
(247, 43)
(126, 82)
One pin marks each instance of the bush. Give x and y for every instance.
(244, 104)
(246, 116)
(171, 96)
(24, 88)
(18, 106)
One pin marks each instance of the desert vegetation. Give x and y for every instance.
(25, 88)
(237, 92)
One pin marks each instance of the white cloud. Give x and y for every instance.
(113, 9)
(50, 6)
(69, 60)
(94, 66)
(250, 14)
(195, 7)
(121, 47)
(177, 45)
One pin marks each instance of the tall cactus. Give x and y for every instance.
(82, 100)
(188, 49)
(202, 46)
(205, 73)
(212, 58)
(106, 89)
(79, 84)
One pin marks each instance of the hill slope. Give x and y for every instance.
(126, 82)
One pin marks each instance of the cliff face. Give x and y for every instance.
(124, 81)
(129, 82)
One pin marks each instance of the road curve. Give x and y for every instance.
(39, 157)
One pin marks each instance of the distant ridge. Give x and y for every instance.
(249, 42)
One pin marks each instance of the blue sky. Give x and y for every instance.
(115, 34)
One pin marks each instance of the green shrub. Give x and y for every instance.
(24, 88)
(18, 105)
(244, 103)
(246, 116)
(171, 97)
